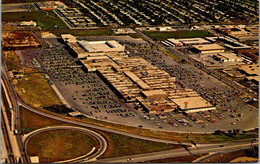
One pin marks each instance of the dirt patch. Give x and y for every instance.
(19, 40)
(244, 159)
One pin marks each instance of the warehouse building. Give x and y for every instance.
(188, 41)
(193, 104)
(135, 80)
(101, 46)
(227, 57)
(69, 12)
(28, 23)
(49, 5)
(208, 48)
(251, 55)
(80, 22)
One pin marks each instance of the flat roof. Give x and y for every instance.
(193, 40)
(137, 80)
(100, 45)
(208, 47)
(154, 93)
(250, 69)
(188, 41)
(34, 159)
(229, 55)
(193, 102)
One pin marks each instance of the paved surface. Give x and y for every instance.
(88, 157)
(16, 112)
(179, 153)
(18, 7)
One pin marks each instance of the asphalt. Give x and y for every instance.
(178, 153)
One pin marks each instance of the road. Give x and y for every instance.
(202, 67)
(102, 142)
(179, 152)
(6, 147)
(16, 112)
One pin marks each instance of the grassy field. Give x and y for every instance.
(47, 20)
(58, 145)
(34, 90)
(158, 36)
(10, 56)
(98, 32)
(120, 145)
(33, 121)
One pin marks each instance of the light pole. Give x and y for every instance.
(140, 127)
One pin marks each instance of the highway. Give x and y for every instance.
(16, 112)
(179, 152)
(6, 148)
(102, 142)
(202, 67)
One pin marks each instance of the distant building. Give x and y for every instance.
(69, 12)
(68, 38)
(166, 28)
(28, 23)
(124, 31)
(193, 104)
(49, 5)
(101, 46)
(188, 41)
(80, 22)
(209, 48)
(251, 55)
(34, 159)
(227, 57)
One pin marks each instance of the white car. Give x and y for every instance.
(234, 123)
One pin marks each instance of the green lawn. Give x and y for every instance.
(98, 32)
(158, 36)
(47, 20)
(59, 145)
(120, 145)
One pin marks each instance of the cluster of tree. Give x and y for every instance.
(230, 132)
(59, 109)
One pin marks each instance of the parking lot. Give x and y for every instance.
(232, 111)
(87, 93)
